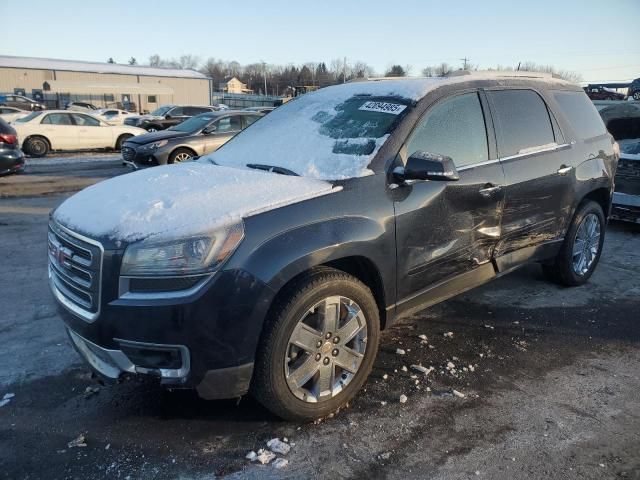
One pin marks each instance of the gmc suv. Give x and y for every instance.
(272, 265)
(166, 116)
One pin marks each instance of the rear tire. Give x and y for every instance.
(292, 342)
(636, 95)
(581, 249)
(121, 139)
(180, 155)
(36, 147)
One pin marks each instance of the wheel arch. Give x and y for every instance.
(38, 135)
(358, 266)
(183, 147)
(601, 196)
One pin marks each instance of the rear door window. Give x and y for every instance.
(57, 119)
(581, 113)
(454, 128)
(522, 121)
(229, 124)
(85, 120)
(249, 119)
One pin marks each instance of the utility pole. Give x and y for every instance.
(465, 63)
(344, 71)
(264, 71)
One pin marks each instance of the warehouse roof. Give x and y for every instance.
(95, 67)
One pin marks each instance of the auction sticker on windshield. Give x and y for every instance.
(384, 107)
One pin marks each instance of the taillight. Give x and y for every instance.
(6, 138)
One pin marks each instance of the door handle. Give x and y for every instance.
(490, 190)
(563, 170)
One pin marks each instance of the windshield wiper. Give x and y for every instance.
(272, 168)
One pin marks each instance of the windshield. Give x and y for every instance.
(330, 134)
(29, 117)
(194, 124)
(159, 112)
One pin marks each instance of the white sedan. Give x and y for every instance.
(49, 130)
(11, 114)
(112, 116)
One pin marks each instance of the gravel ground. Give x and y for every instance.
(552, 394)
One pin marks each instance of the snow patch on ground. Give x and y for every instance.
(180, 200)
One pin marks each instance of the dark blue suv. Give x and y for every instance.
(272, 265)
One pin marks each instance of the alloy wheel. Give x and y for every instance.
(326, 349)
(181, 157)
(586, 244)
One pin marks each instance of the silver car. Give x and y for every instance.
(197, 136)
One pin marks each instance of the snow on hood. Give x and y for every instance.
(179, 200)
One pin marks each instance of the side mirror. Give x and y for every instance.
(428, 166)
(209, 130)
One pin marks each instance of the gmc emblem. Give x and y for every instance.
(62, 256)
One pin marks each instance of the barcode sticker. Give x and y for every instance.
(383, 107)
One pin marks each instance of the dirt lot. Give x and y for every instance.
(548, 380)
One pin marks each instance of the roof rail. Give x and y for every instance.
(503, 73)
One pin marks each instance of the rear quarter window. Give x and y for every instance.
(522, 119)
(581, 113)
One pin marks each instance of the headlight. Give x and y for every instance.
(195, 255)
(155, 145)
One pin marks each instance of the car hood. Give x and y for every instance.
(176, 201)
(156, 136)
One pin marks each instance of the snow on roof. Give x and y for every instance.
(95, 67)
(174, 201)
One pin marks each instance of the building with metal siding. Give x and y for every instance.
(102, 84)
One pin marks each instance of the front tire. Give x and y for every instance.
(582, 247)
(36, 147)
(318, 346)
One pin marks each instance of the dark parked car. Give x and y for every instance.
(199, 135)
(166, 116)
(623, 122)
(11, 157)
(273, 264)
(634, 89)
(21, 102)
(598, 92)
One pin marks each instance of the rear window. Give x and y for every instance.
(523, 121)
(580, 113)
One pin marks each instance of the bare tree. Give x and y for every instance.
(155, 61)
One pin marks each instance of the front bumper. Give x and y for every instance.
(11, 161)
(214, 331)
(133, 155)
(626, 207)
(112, 363)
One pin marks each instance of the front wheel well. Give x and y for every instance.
(359, 267)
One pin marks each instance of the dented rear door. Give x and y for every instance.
(538, 169)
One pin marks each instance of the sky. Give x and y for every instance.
(598, 39)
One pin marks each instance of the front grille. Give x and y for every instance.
(628, 176)
(128, 154)
(75, 268)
